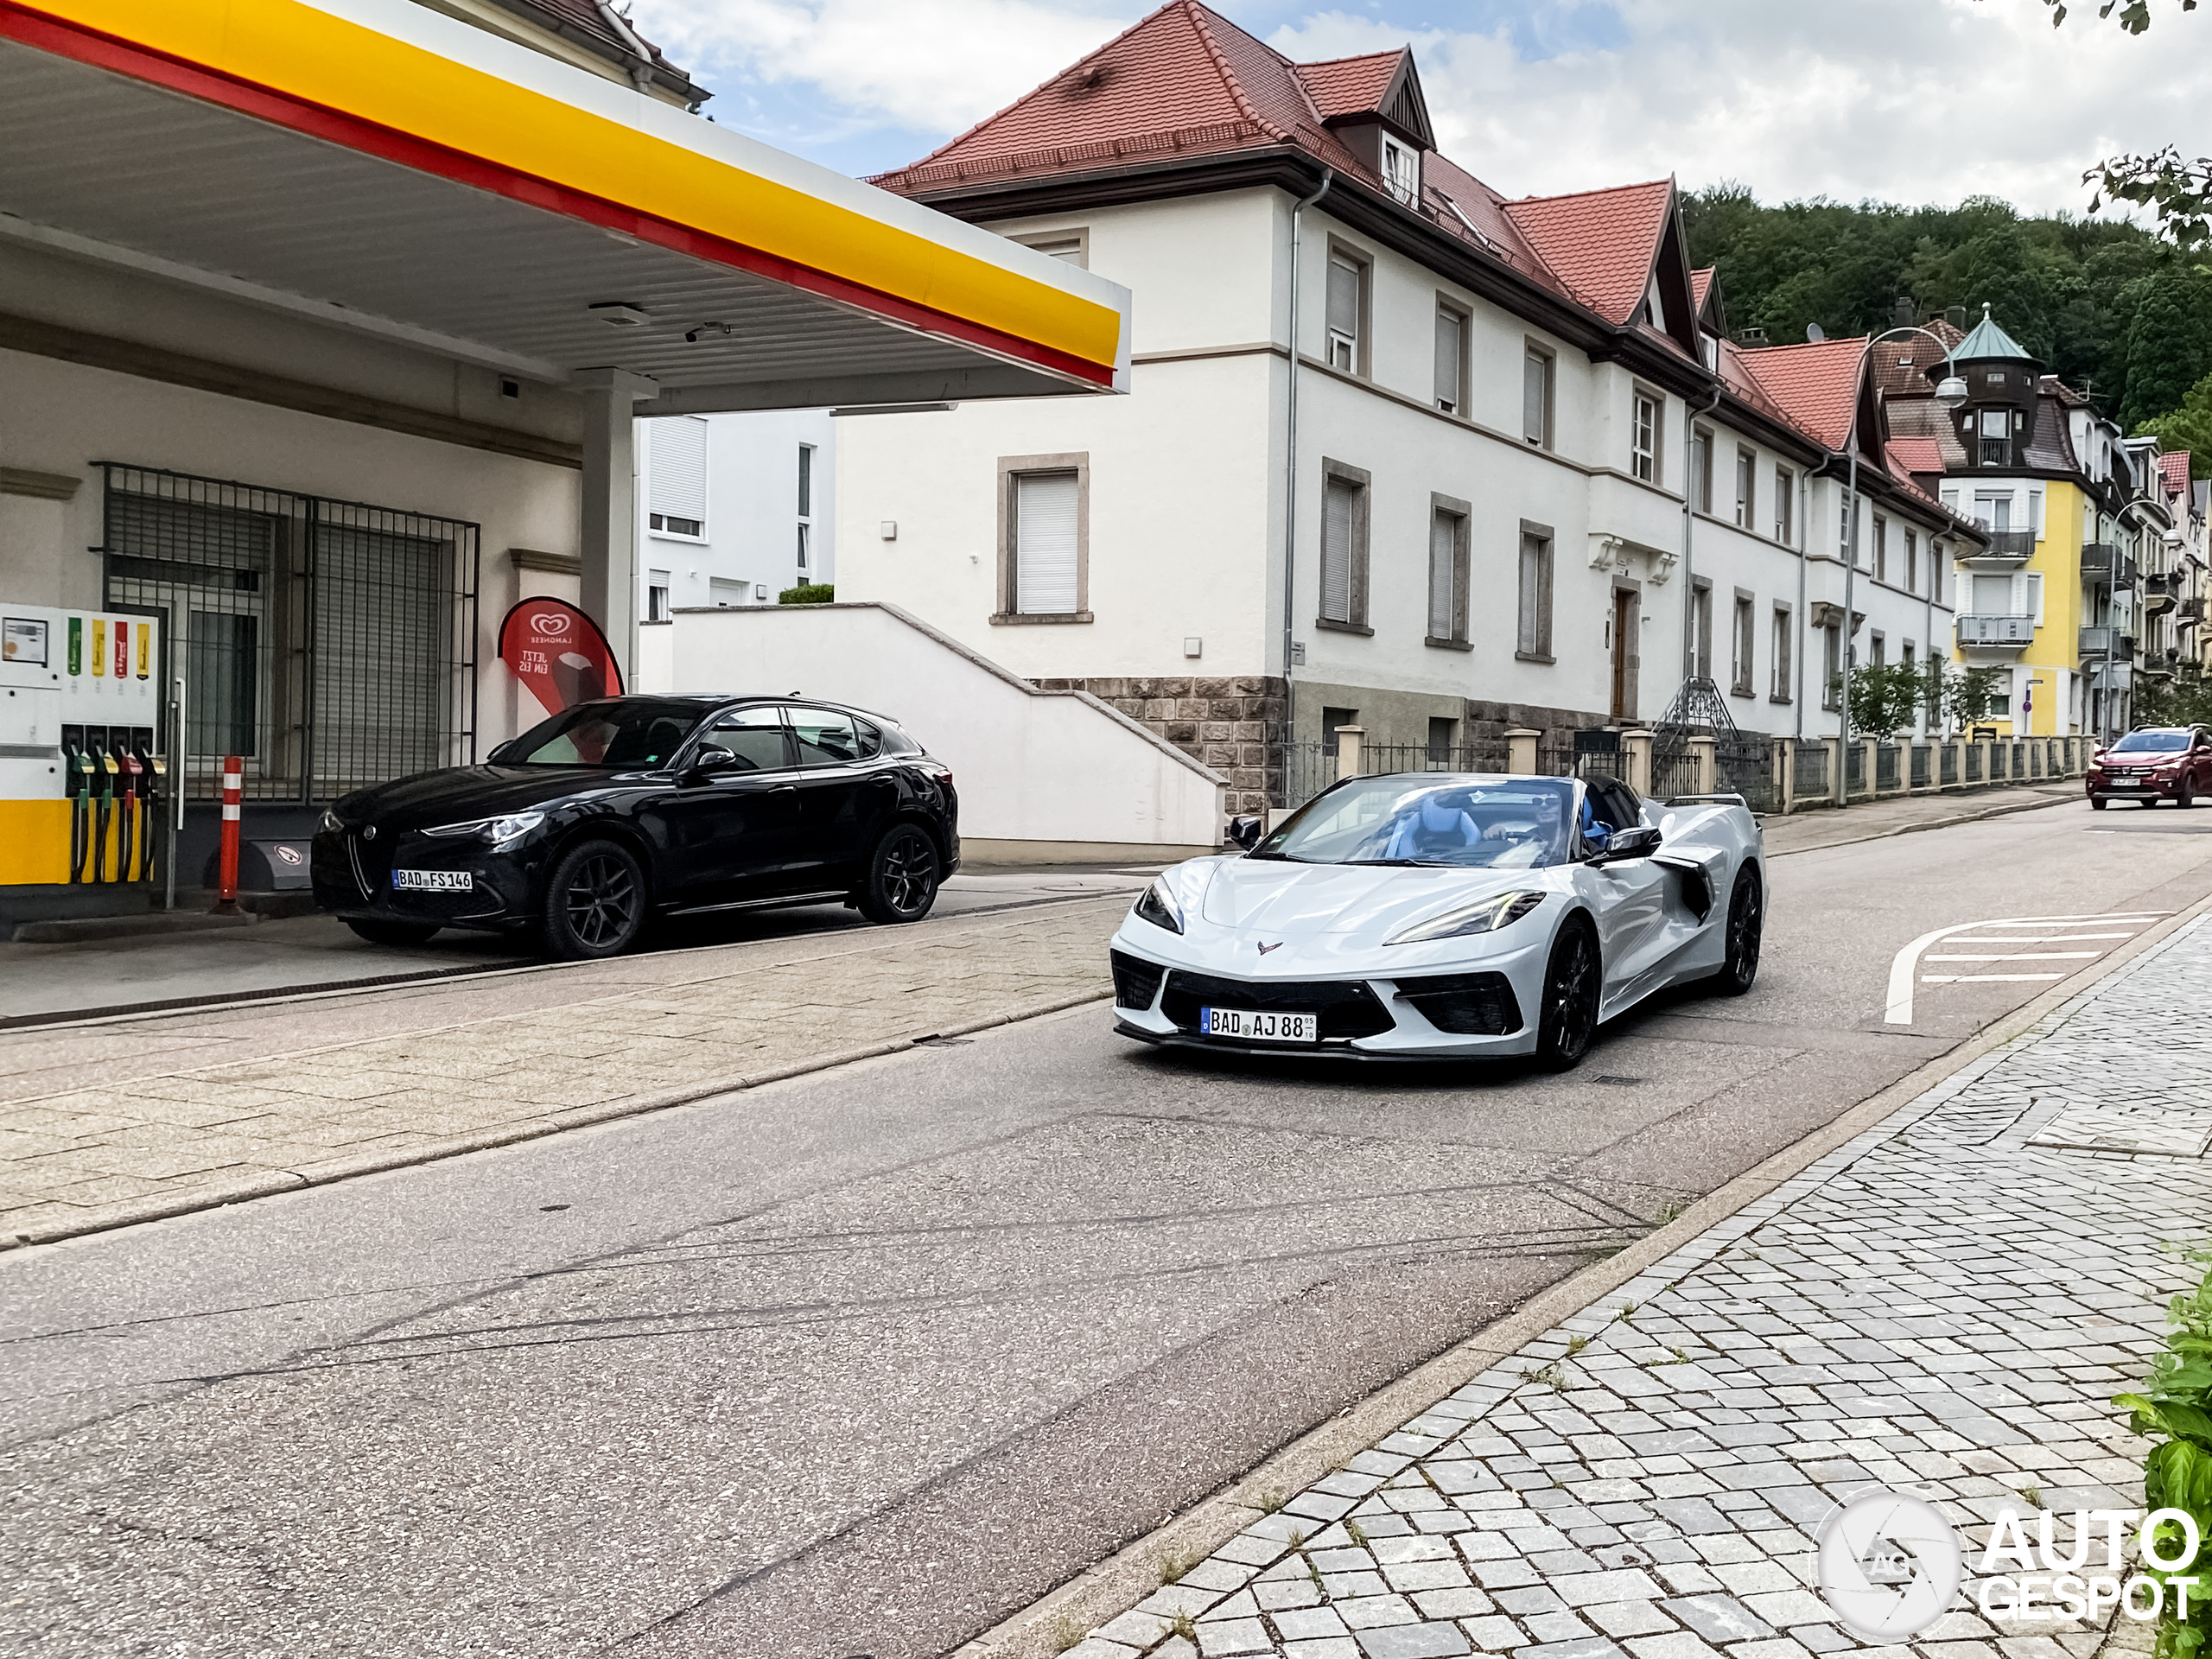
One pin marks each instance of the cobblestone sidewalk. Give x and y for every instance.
(151, 1146)
(1940, 1304)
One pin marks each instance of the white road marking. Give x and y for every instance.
(2018, 956)
(2032, 938)
(1905, 965)
(1953, 979)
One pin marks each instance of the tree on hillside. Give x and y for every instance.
(2169, 341)
(2186, 427)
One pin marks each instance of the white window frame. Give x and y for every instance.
(1747, 487)
(655, 522)
(1401, 170)
(1461, 515)
(1072, 244)
(1647, 438)
(1455, 406)
(1545, 362)
(1347, 352)
(1012, 469)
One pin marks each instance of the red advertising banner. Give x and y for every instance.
(559, 654)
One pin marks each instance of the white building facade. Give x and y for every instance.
(1511, 477)
(734, 509)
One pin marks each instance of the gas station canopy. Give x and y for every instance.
(377, 166)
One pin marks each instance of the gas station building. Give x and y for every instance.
(322, 327)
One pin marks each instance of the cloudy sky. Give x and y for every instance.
(1911, 100)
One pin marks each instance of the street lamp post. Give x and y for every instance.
(1950, 392)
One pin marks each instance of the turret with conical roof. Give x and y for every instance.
(1999, 415)
(1988, 341)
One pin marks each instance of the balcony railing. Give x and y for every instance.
(2191, 610)
(2008, 544)
(1996, 630)
(2095, 642)
(1996, 452)
(2103, 562)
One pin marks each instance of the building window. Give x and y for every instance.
(1993, 509)
(1044, 539)
(1881, 548)
(1912, 561)
(1347, 312)
(1744, 637)
(1831, 666)
(1847, 530)
(1451, 360)
(1747, 471)
(656, 596)
(1778, 657)
(1447, 570)
(1073, 245)
(676, 480)
(1343, 547)
(1443, 738)
(1876, 652)
(1532, 639)
(1701, 470)
(1644, 436)
(1536, 387)
(1401, 170)
(1700, 662)
(1785, 507)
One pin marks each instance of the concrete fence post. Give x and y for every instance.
(1521, 750)
(1834, 748)
(1703, 773)
(1785, 793)
(1348, 738)
(1869, 760)
(1635, 760)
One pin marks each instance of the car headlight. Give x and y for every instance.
(1159, 907)
(1483, 916)
(332, 823)
(494, 832)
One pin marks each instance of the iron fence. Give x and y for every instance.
(1973, 763)
(1744, 766)
(1422, 756)
(331, 643)
(1674, 774)
(2017, 765)
(1923, 753)
(1946, 766)
(1885, 767)
(1854, 770)
(1808, 772)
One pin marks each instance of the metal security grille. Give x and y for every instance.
(334, 644)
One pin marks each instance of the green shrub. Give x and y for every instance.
(808, 593)
(2177, 1473)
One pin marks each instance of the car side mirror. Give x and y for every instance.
(1246, 832)
(1640, 842)
(499, 756)
(710, 760)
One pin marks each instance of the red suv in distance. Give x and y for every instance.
(2151, 764)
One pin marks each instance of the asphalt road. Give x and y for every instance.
(862, 1363)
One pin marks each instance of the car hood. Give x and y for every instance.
(459, 793)
(1345, 904)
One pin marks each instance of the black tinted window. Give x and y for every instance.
(871, 740)
(825, 737)
(755, 736)
(619, 732)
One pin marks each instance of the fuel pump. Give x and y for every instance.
(77, 781)
(128, 799)
(103, 807)
(153, 770)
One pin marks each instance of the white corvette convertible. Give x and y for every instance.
(1444, 916)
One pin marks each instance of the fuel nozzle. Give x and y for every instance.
(106, 770)
(77, 784)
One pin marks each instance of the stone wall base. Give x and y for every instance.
(1234, 723)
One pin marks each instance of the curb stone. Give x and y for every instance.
(1119, 1582)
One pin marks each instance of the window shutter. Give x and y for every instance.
(679, 468)
(1532, 575)
(1343, 297)
(1448, 327)
(1045, 573)
(1338, 500)
(1443, 545)
(1532, 398)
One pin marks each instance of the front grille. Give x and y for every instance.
(1466, 1004)
(1347, 1007)
(1136, 981)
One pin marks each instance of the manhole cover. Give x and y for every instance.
(2109, 1129)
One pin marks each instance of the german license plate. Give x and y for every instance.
(432, 882)
(1255, 1026)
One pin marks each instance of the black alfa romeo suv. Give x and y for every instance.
(614, 811)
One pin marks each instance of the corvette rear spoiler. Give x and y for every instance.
(1692, 800)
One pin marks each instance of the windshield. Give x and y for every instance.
(619, 732)
(2152, 743)
(1481, 823)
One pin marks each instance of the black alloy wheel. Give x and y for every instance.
(377, 932)
(902, 876)
(595, 902)
(1569, 1016)
(1746, 925)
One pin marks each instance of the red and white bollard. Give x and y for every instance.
(226, 891)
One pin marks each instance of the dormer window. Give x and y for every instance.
(1654, 309)
(1401, 170)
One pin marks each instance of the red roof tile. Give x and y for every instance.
(1601, 243)
(1350, 86)
(1909, 456)
(2173, 465)
(1700, 285)
(1817, 385)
